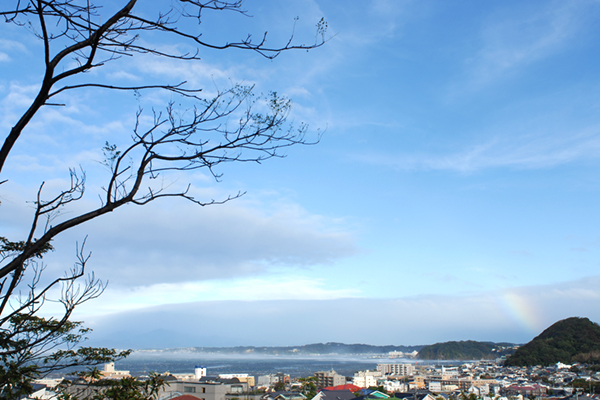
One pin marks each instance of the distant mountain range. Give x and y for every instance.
(330, 348)
(570, 340)
(467, 350)
(567, 341)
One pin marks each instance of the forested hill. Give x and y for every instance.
(465, 350)
(307, 349)
(570, 340)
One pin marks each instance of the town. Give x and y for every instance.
(477, 380)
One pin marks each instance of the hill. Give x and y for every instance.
(331, 348)
(465, 350)
(572, 339)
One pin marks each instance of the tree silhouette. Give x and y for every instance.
(233, 125)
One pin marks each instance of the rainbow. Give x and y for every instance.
(520, 309)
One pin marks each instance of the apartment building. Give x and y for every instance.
(396, 369)
(329, 378)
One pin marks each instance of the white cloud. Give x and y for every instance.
(142, 246)
(175, 241)
(289, 287)
(123, 75)
(6, 44)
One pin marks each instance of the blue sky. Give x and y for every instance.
(454, 193)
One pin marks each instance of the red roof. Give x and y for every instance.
(349, 386)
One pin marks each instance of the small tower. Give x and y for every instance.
(109, 367)
(199, 372)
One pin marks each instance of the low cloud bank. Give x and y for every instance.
(515, 315)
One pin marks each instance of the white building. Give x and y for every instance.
(393, 386)
(396, 354)
(109, 371)
(366, 379)
(435, 386)
(265, 381)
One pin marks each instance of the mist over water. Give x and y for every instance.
(295, 366)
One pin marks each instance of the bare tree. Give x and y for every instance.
(222, 129)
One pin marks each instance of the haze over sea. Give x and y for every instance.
(142, 363)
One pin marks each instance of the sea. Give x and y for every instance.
(139, 364)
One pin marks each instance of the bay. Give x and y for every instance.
(180, 363)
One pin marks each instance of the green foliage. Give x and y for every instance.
(126, 388)
(32, 346)
(465, 396)
(224, 129)
(309, 386)
(569, 340)
(464, 350)
(7, 247)
(585, 386)
(379, 389)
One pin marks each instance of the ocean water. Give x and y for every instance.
(179, 363)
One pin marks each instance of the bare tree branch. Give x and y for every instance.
(233, 126)
(93, 44)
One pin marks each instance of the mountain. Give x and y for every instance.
(572, 339)
(465, 350)
(307, 349)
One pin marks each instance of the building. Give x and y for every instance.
(347, 386)
(396, 369)
(393, 386)
(110, 372)
(267, 381)
(207, 388)
(365, 379)
(249, 379)
(329, 378)
(525, 390)
(284, 395)
(344, 394)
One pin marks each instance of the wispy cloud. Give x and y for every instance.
(532, 151)
(12, 45)
(511, 41)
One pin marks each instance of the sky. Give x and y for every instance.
(453, 194)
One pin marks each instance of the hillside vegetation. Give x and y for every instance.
(570, 340)
(465, 350)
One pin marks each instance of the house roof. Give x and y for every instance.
(38, 386)
(411, 395)
(337, 395)
(285, 395)
(185, 397)
(370, 393)
(348, 386)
